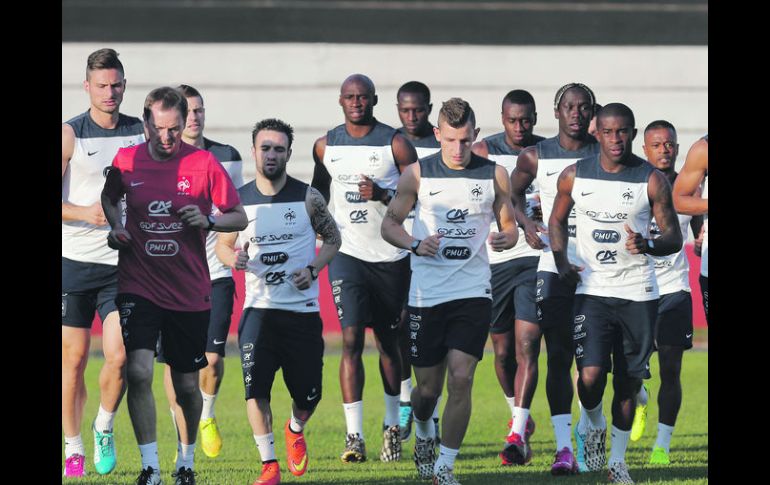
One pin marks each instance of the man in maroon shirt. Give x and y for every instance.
(163, 277)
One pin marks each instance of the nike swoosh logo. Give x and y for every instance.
(688, 335)
(93, 153)
(217, 343)
(198, 359)
(335, 159)
(310, 398)
(548, 174)
(585, 193)
(434, 193)
(301, 465)
(135, 184)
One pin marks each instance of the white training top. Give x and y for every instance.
(704, 253)
(672, 271)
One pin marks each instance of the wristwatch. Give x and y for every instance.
(313, 271)
(212, 221)
(415, 245)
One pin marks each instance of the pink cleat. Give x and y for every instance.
(516, 451)
(74, 466)
(564, 463)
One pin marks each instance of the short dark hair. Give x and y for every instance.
(456, 112)
(660, 124)
(616, 109)
(103, 59)
(168, 97)
(414, 87)
(519, 96)
(273, 124)
(189, 91)
(567, 87)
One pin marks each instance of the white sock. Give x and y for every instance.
(296, 425)
(266, 446)
(391, 410)
(104, 420)
(618, 445)
(435, 410)
(446, 456)
(424, 429)
(208, 405)
(664, 436)
(73, 446)
(641, 396)
(406, 390)
(511, 404)
(520, 416)
(562, 424)
(149, 454)
(185, 455)
(354, 417)
(592, 417)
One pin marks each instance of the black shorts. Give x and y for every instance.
(704, 291)
(513, 293)
(615, 334)
(674, 323)
(273, 339)
(555, 300)
(87, 288)
(457, 324)
(369, 294)
(222, 293)
(183, 333)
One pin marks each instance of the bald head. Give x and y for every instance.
(618, 110)
(358, 79)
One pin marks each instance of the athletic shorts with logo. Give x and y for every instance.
(615, 334)
(87, 288)
(458, 324)
(704, 291)
(370, 294)
(271, 339)
(555, 300)
(674, 323)
(183, 333)
(513, 293)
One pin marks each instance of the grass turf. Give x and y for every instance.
(477, 463)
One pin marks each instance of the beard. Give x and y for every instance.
(275, 174)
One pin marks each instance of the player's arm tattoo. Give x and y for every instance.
(322, 221)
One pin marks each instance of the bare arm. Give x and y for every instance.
(322, 180)
(480, 148)
(521, 178)
(324, 225)
(113, 191)
(557, 226)
(92, 214)
(225, 249)
(686, 200)
(670, 239)
(503, 209)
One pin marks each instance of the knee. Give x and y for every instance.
(459, 382)
(560, 358)
(139, 374)
(74, 359)
(115, 358)
(528, 351)
(351, 348)
(186, 388)
(591, 378)
(214, 359)
(427, 392)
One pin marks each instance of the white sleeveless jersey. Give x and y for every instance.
(83, 181)
(604, 202)
(457, 204)
(359, 221)
(502, 154)
(424, 146)
(672, 271)
(281, 241)
(233, 165)
(552, 159)
(704, 254)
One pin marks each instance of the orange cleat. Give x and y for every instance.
(296, 451)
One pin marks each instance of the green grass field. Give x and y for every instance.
(477, 462)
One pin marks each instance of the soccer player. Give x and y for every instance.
(614, 196)
(89, 266)
(514, 272)
(281, 325)
(458, 194)
(163, 279)
(673, 327)
(360, 161)
(222, 284)
(414, 108)
(687, 200)
(573, 107)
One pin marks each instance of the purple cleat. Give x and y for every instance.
(74, 466)
(564, 463)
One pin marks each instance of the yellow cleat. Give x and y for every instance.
(211, 440)
(640, 421)
(659, 456)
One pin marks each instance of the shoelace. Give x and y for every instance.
(104, 446)
(76, 460)
(145, 475)
(185, 475)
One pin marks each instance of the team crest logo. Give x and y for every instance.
(374, 161)
(183, 186)
(289, 217)
(628, 197)
(476, 192)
